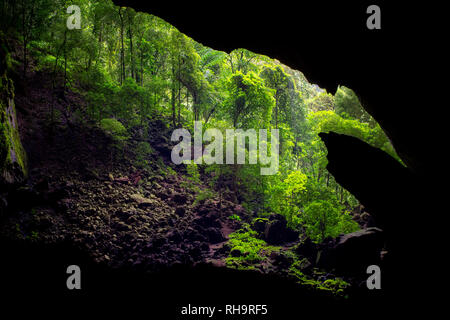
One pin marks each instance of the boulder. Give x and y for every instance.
(364, 219)
(179, 198)
(307, 248)
(180, 211)
(259, 225)
(236, 252)
(277, 232)
(214, 235)
(210, 220)
(353, 252)
(143, 203)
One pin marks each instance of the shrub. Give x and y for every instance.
(245, 247)
(192, 171)
(322, 219)
(114, 128)
(235, 217)
(246, 250)
(143, 150)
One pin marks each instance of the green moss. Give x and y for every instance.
(18, 230)
(13, 161)
(201, 194)
(170, 171)
(336, 286)
(21, 156)
(247, 251)
(12, 153)
(4, 145)
(235, 217)
(143, 150)
(299, 264)
(34, 236)
(260, 220)
(114, 128)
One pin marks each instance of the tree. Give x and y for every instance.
(122, 47)
(185, 72)
(33, 14)
(321, 102)
(285, 195)
(240, 60)
(324, 219)
(249, 103)
(277, 80)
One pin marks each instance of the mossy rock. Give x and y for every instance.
(259, 224)
(236, 252)
(13, 161)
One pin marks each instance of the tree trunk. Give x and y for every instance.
(65, 62)
(179, 104)
(276, 110)
(173, 98)
(122, 51)
(142, 69)
(130, 36)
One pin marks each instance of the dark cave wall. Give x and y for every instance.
(13, 159)
(391, 70)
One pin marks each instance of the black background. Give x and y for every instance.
(397, 71)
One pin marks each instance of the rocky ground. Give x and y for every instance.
(120, 214)
(82, 190)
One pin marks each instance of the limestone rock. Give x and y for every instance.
(13, 160)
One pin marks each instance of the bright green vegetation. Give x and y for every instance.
(235, 217)
(132, 68)
(114, 128)
(143, 151)
(336, 286)
(248, 252)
